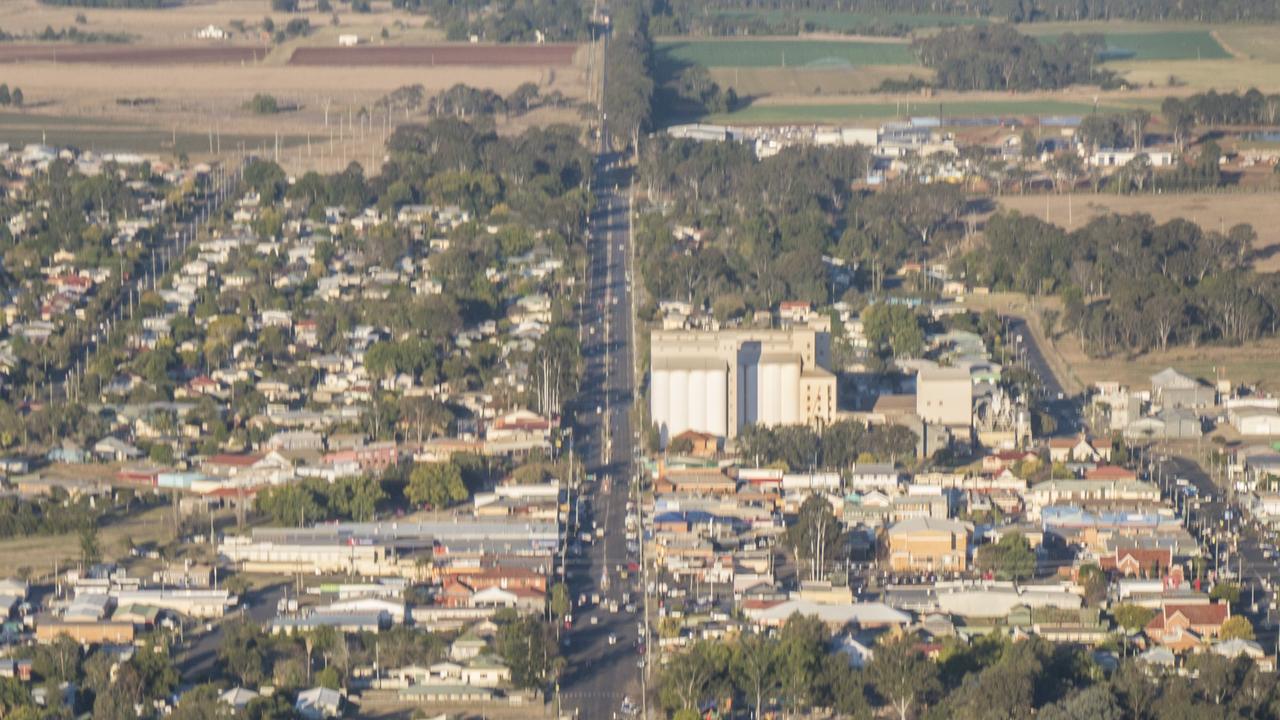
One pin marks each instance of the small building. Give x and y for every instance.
(348, 40)
(319, 703)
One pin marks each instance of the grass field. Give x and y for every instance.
(783, 53)
(1210, 211)
(1156, 44)
(40, 553)
(836, 21)
(844, 112)
(760, 82)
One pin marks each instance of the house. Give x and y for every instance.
(1075, 449)
(112, 449)
(238, 698)
(697, 444)
(318, 703)
(1138, 562)
(348, 40)
(929, 545)
(1184, 626)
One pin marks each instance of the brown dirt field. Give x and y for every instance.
(131, 55)
(435, 55)
(1210, 211)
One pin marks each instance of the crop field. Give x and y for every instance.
(783, 113)
(1173, 45)
(844, 22)
(816, 54)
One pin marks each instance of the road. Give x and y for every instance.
(1231, 544)
(600, 673)
(198, 662)
(1066, 411)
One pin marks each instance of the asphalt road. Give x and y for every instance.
(199, 661)
(1233, 547)
(600, 673)
(1065, 410)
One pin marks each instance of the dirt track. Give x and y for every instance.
(130, 55)
(434, 55)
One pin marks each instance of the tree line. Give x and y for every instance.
(1198, 286)
(998, 57)
(505, 21)
(798, 669)
(698, 13)
(629, 84)
(837, 446)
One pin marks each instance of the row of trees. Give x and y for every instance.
(795, 670)
(1252, 107)
(1198, 285)
(837, 447)
(998, 57)
(877, 13)
(629, 84)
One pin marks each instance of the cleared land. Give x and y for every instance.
(42, 553)
(433, 55)
(1210, 211)
(131, 54)
(1156, 44)
(783, 53)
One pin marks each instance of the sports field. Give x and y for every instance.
(846, 112)
(784, 53)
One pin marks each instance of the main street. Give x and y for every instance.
(603, 667)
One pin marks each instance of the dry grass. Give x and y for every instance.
(41, 553)
(70, 103)
(1210, 211)
(177, 24)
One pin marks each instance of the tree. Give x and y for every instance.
(1237, 627)
(1096, 702)
(1226, 592)
(902, 675)
(1132, 617)
(90, 551)
(16, 97)
(1012, 558)
(754, 670)
(530, 649)
(437, 484)
(1095, 583)
(814, 534)
(560, 605)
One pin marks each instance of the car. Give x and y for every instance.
(613, 639)
(595, 620)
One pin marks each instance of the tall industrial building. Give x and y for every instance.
(717, 382)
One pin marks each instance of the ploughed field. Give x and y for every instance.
(430, 55)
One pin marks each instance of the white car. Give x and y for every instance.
(595, 620)
(613, 639)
